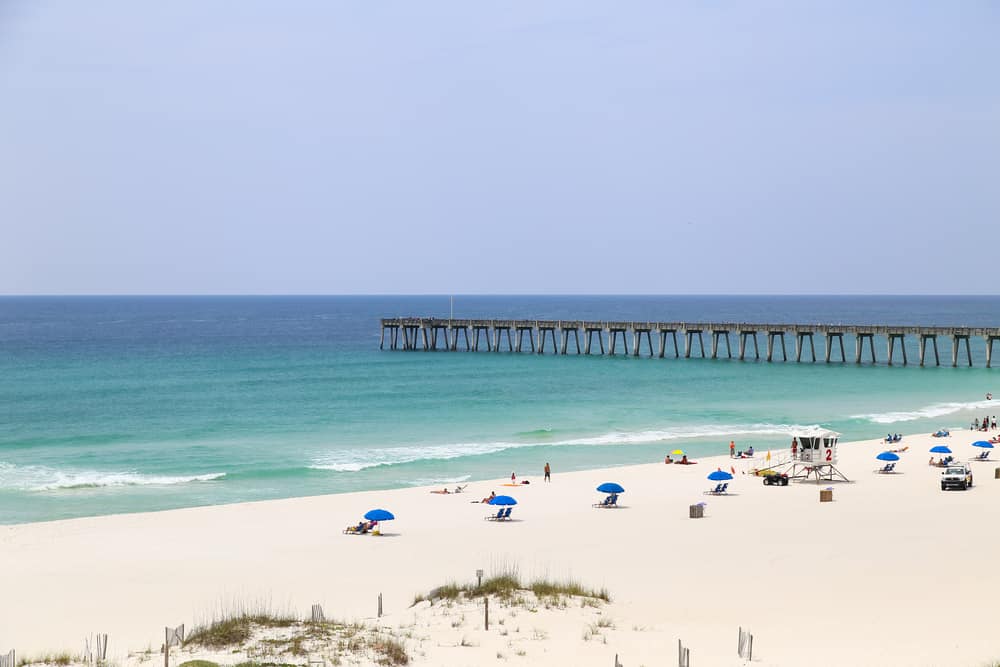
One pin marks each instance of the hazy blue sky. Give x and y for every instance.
(499, 147)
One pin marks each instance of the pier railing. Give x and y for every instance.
(422, 333)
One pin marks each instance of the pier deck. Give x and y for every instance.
(636, 338)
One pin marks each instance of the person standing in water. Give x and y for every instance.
(548, 472)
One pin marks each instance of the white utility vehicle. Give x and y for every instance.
(956, 477)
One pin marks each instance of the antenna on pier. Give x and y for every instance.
(452, 316)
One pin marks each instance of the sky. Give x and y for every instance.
(325, 147)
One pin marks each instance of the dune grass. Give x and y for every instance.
(61, 659)
(388, 650)
(236, 627)
(506, 584)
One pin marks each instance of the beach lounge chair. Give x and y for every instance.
(983, 455)
(718, 490)
(497, 516)
(611, 500)
(506, 513)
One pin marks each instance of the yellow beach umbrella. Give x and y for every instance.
(678, 452)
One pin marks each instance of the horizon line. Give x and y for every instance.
(481, 294)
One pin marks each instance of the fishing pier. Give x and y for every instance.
(651, 339)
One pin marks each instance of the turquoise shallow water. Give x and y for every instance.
(132, 404)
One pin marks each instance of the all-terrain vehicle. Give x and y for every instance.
(776, 479)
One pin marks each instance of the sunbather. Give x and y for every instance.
(360, 529)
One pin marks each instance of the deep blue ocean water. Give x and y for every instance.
(122, 404)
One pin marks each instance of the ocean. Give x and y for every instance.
(130, 404)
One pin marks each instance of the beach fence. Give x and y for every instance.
(95, 649)
(744, 648)
(683, 655)
(171, 637)
(316, 615)
(8, 660)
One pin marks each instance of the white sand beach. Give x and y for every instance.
(893, 572)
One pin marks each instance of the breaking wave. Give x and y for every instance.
(927, 412)
(41, 478)
(431, 481)
(355, 460)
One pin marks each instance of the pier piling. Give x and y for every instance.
(689, 342)
(521, 330)
(771, 336)
(924, 337)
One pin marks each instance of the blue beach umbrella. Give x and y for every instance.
(983, 444)
(379, 515)
(719, 476)
(503, 500)
(940, 449)
(888, 456)
(611, 487)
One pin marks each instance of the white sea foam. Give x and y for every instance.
(355, 460)
(42, 478)
(430, 481)
(927, 412)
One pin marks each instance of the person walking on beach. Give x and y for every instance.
(548, 472)
(732, 449)
(513, 478)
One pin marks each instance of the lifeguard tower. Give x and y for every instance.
(815, 457)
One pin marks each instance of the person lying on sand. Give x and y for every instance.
(684, 461)
(493, 494)
(668, 460)
(443, 491)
